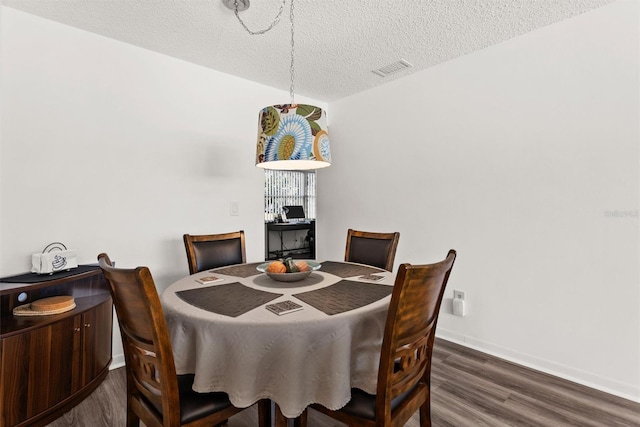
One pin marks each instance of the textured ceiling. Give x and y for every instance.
(337, 42)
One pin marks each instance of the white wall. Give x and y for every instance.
(514, 156)
(107, 147)
(1, 77)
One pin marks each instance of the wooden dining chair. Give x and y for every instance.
(375, 249)
(155, 394)
(404, 373)
(214, 250)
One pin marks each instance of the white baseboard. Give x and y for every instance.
(607, 385)
(117, 361)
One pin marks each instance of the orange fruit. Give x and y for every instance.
(302, 265)
(276, 267)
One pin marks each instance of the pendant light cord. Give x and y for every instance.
(273, 24)
(292, 69)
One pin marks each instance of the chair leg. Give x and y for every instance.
(264, 413)
(132, 419)
(425, 413)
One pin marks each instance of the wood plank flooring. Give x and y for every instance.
(469, 388)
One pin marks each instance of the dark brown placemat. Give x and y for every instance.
(231, 299)
(344, 296)
(240, 270)
(343, 270)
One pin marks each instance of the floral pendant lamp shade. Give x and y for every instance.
(292, 137)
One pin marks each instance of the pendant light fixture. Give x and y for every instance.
(290, 136)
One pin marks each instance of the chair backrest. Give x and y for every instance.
(375, 249)
(214, 250)
(151, 376)
(405, 359)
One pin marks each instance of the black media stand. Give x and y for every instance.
(307, 251)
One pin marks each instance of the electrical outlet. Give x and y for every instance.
(458, 295)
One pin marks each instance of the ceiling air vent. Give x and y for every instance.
(392, 68)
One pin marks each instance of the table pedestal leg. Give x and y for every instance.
(264, 413)
(282, 421)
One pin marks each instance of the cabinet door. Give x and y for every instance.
(14, 365)
(96, 340)
(64, 360)
(37, 369)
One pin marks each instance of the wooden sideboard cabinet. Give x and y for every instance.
(49, 364)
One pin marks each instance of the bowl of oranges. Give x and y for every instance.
(288, 270)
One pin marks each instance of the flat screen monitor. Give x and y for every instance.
(293, 212)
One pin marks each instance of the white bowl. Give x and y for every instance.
(289, 277)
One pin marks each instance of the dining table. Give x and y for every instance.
(222, 332)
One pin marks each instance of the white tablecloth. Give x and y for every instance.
(294, 359)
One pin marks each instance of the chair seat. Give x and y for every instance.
(363, 405)
(193, 405)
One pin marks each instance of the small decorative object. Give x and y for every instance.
(46, 306)
(288, 270)
(372, 277)
(54, 257)
(208, 279)
(283, 307)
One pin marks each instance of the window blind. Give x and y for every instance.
(285, 188)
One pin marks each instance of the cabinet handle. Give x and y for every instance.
(87, 325)
(76, 329)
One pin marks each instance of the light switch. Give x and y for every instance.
(235, 208)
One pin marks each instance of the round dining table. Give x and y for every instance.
(222, 332)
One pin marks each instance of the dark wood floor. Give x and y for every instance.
(469, 388)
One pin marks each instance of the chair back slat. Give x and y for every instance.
(410, 362)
